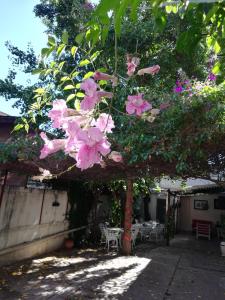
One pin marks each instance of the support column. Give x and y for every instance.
(168, 212)
(126, 242)
(3, 187)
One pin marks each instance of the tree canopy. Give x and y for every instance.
(186, 125)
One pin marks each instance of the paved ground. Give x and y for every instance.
(187, 270)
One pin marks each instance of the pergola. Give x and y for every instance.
(155, 166)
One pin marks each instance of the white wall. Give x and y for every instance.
(27, 215)
(211, 214)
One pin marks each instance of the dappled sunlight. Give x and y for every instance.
(121, 284)
(92, 274)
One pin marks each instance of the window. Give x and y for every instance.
(219, 203)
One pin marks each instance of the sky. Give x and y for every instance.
(18, 25)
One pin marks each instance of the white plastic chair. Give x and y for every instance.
(157, 233)
(103, 238)
(112, 238)
(134, 234)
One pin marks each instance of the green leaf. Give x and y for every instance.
(18, 127)
(75, 74)
(74, 50)
(79, 38)
(61, 65)
(95, 55)
(65, 37)
(84, 62)
(65, 78)
(40, 91)
(51, 41)
(78, 85)
(169, 8)
(27, 127)
(60, 49)
(160, 23)
(55, 72)
(120, 13)
(216, 68)
(134, 9)
(80, 95)
(88, 75)
(36, 71)
(44, 52)
(77, 104)
(71, 97)
(48, 71)
(69, 87)
(217, 47)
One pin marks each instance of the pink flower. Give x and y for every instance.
(89, 102)
(93, 146)
(178, 89)
(132, 64)
(73, 132)
(116, 156)
(58, 112)
(137, 105)
(51, 146)
(151, 70)
(89, 86)
(212, 77)
(107, 77)
(104, 123)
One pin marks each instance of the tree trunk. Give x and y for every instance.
(128, 219)
(168, 211)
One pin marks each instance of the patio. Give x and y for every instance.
(189, 269)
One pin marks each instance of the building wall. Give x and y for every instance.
(5, 130)
(153, 204)
(211, 214)
(27, 215)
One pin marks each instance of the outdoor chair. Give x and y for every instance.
(203, 230)
(145, 232)
(112, 238)
(134, 234)
(103, 238)
(157, 233)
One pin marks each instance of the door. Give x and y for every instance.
(161, 210)
(184, 221)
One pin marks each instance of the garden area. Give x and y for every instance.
(125, 94)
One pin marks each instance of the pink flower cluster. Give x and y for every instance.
(137, 105)
(133, 63)
(92, 94)
(85, 136)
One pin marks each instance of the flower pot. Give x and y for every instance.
(222, 248)
(69, 243)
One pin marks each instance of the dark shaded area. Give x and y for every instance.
(80, 200)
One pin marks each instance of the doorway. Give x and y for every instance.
(161, 210)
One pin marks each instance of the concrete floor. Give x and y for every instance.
(188, 269)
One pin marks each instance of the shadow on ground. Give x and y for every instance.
(188, 269)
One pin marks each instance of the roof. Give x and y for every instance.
(7, 119)
(189, 184)
(3, 114)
